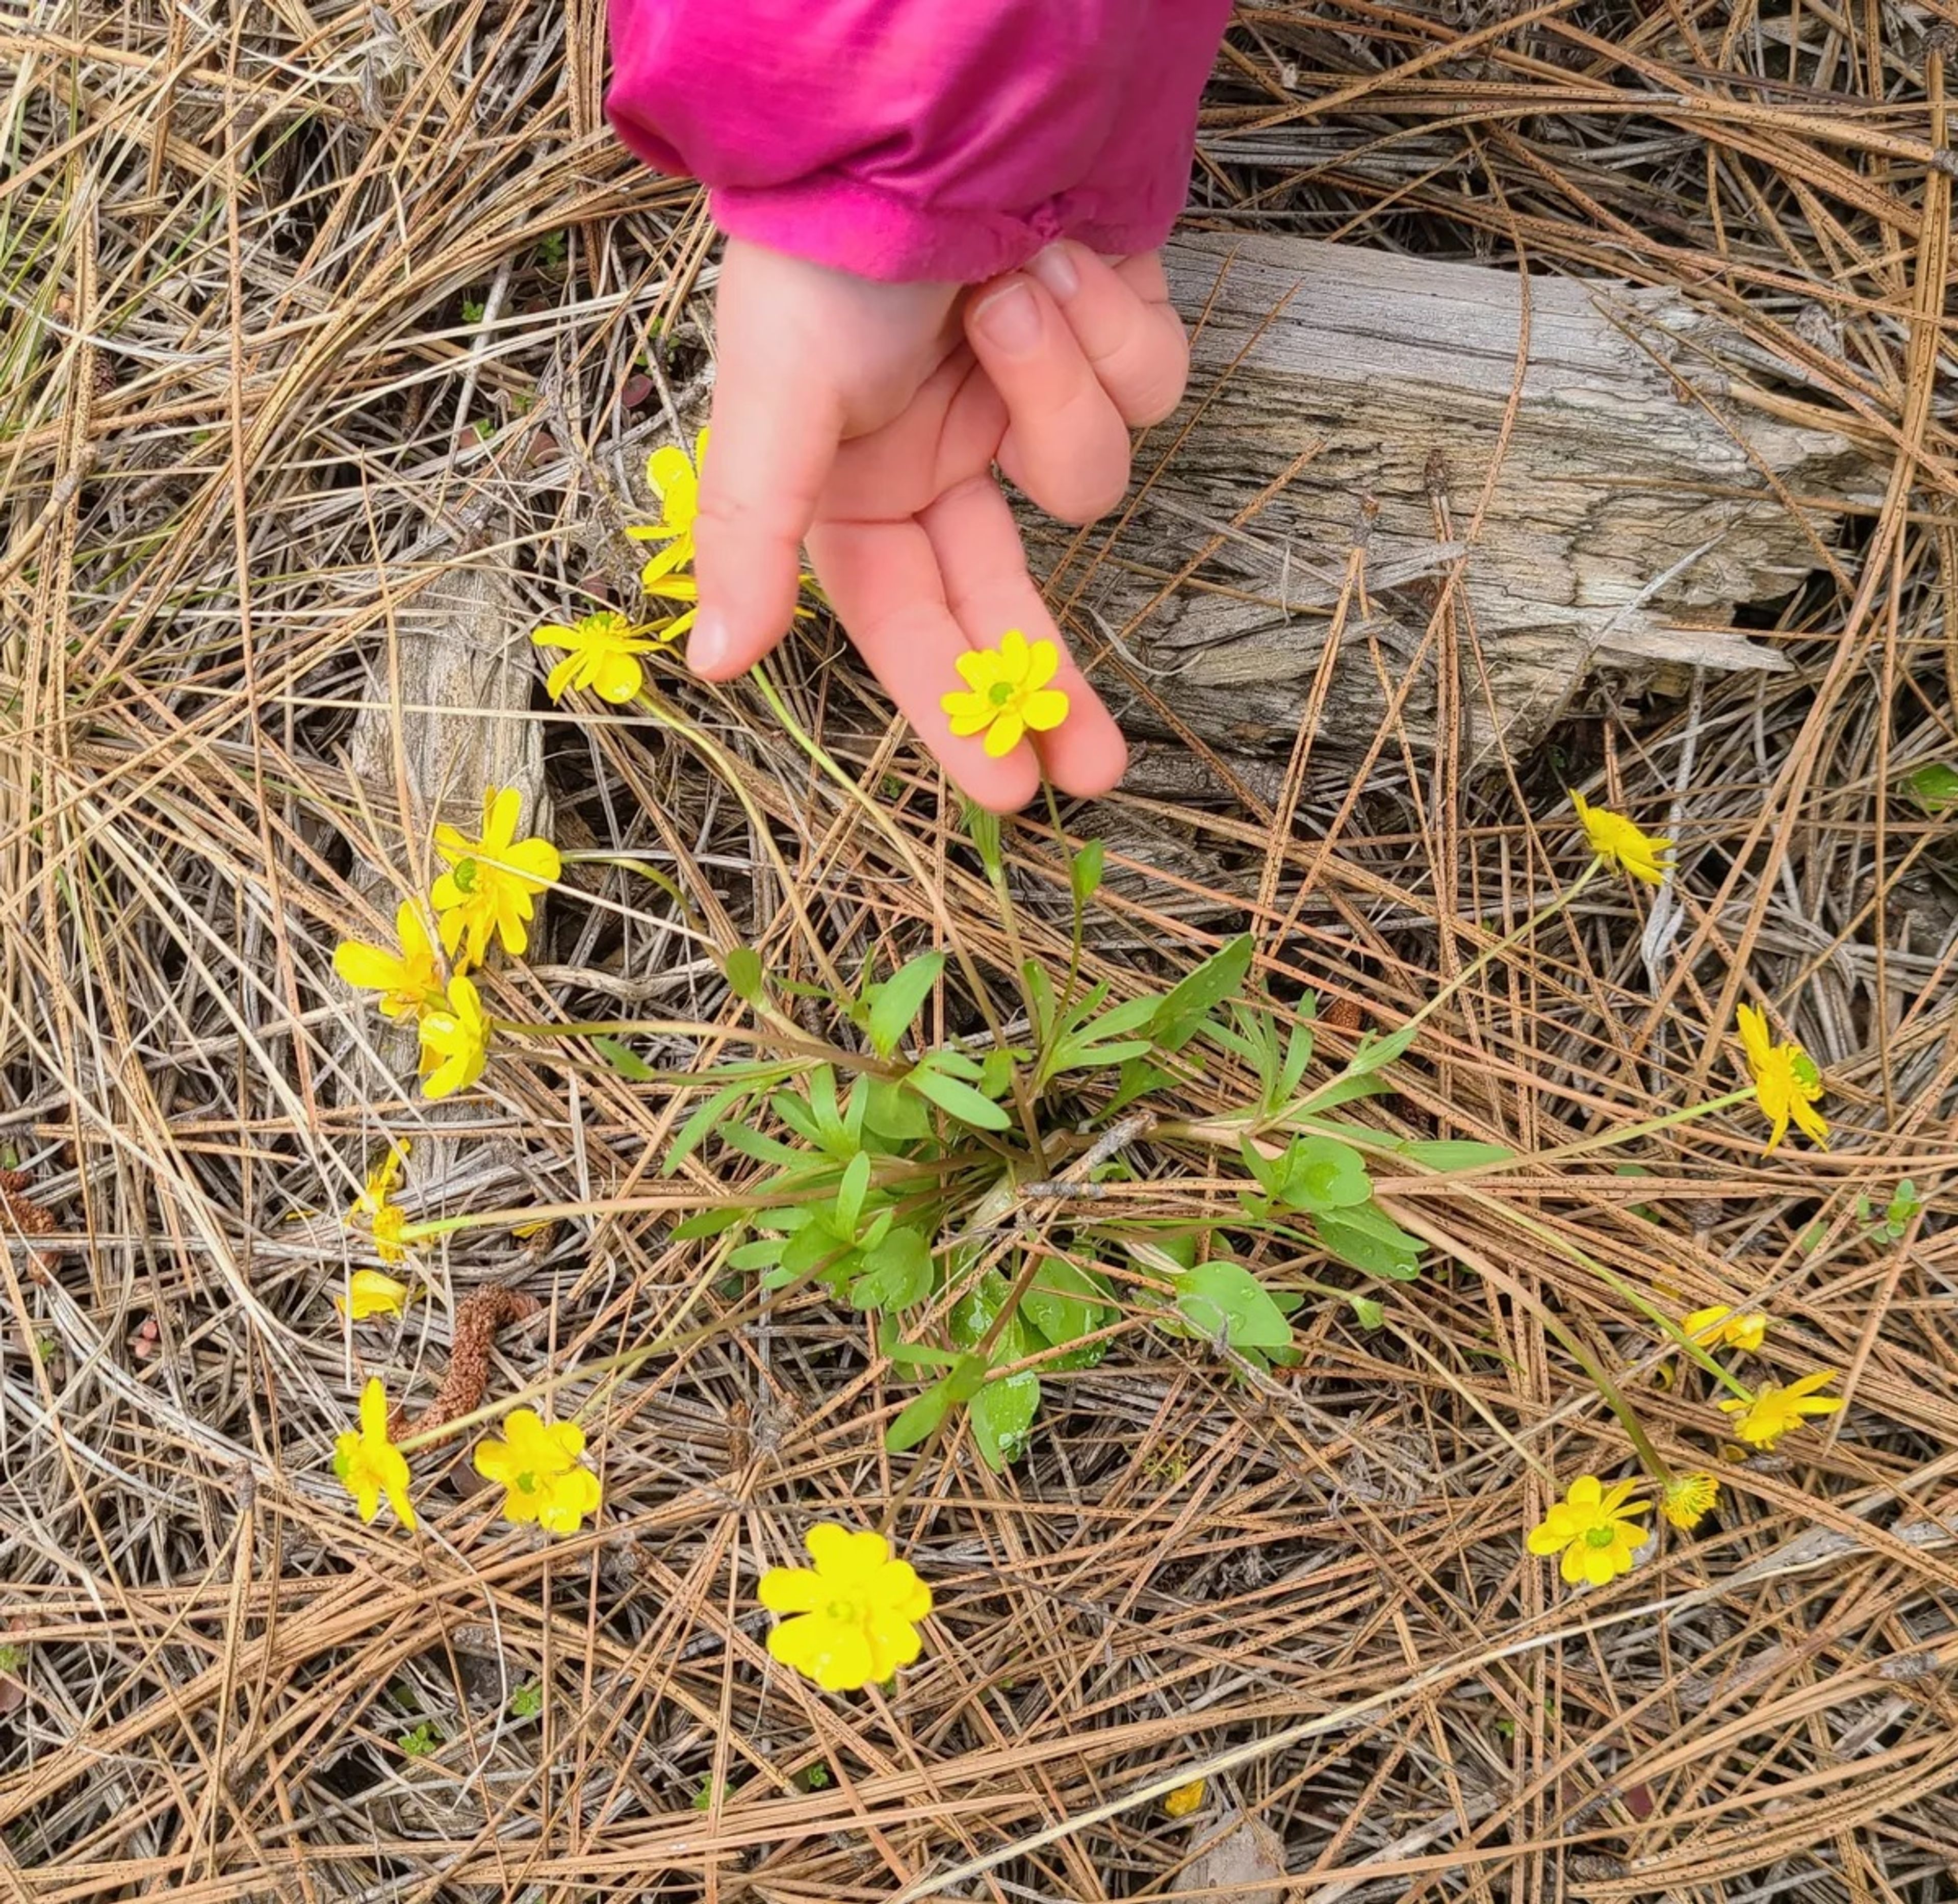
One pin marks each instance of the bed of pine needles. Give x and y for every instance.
(327, 328)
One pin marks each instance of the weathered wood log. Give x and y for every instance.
(1634, 505)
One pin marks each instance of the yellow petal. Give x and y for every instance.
(790, 1589)
(374, 1410)
(503, 808)
(969, 714)
(1044, 709)
(1043, 662)
(494, 1462)
(412, 931)
(617, 678)
(670, 471)
(1755, 1035)
(1005, 734)
(367, 968)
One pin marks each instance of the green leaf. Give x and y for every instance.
(959, 1100)
(1343, 1090)
(705, 1222)
(1179, 1015)
(899, 999)
(897, 1273)
(973, 1314)
(1317, 1173)
(1367, 1238)
(1138, 1078)
(995, 1075)
(697, 1129)
(1373, 1051)
(759, 1145)
(1455, 1154)
(1063, 1303)
(891, 1112)
(919, 1417)
(764, 1254)
(851, 1192)
(1223, 1301)
(1935, 786)
(1002, 1412)
(624, 1060)
(1084, 871)
(1367, 1313)
(746, 978)
(983, 827)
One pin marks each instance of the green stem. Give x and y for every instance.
(626, 862)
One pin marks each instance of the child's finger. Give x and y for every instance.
(987, 587)
(883, 580)
(1127, 329)
(1066, 445)
(775, 430)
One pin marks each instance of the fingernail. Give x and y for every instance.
(1010, 320)
(1055, 269)
(708, 646)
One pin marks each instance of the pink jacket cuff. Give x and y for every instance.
(920, 139)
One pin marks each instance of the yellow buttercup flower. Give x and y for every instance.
(675, 477)
(455, 1043)
(604, 654)
(487, 889)
(1721, 1326)
(1184, 1799)
(376, 1208)
(372, 1292)
(369, 1464)
(1686, 1500)
(855, 1614)
(1593, 1529)
(1786, 1082)
(536, 1464)
(406, 979)
(1770, 1415)
(1622, 846)
(1008, 693)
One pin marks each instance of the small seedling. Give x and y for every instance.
(422, 1740)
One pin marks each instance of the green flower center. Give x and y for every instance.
(845, 1609)
(1000, 693)
(1602, 1535)
(464, 875)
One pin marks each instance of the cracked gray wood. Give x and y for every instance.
(1633, 499)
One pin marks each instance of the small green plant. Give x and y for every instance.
(528, 1701)
(814, 1778)
(422, 1740)
(474, 309)
(952, 1186)
(1896, 1218)
(704, 1795)
(12, 1657)
(1933, 786)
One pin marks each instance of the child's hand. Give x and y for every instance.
(864, 419)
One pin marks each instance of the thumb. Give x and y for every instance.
(774, 431)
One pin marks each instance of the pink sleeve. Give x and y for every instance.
(912, 139)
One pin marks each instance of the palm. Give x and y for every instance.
(859, 421)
